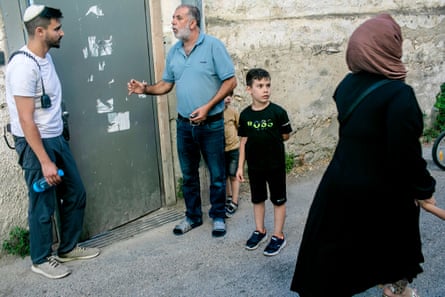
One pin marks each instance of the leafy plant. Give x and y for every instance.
(18, 242)
(290, 162)
(439, 122)
(430, 133)
(179, 192)
(440, 105)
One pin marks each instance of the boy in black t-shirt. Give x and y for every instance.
(263, 126)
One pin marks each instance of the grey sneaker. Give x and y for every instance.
(186, 225)
(79, 253)
(51, 269)
(219, 227)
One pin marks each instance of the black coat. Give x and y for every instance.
(363, 225)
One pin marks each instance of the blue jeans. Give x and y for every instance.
(69, 197)
(208, 140)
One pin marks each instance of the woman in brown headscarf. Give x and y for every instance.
(363, 225)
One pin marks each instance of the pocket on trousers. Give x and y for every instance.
(27, 158)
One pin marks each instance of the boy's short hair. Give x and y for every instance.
(42, 19)
(256, 73)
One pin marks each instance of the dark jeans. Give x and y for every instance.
(208, 140)
(69, 196)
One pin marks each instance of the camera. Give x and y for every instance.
(45, 101)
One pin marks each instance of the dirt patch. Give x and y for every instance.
(309, 170)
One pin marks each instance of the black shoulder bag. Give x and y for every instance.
(361, 97)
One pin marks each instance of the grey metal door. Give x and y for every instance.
(113, 136)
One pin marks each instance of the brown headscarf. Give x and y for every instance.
(376, 47)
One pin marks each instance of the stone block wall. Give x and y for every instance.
(13, 192)
(303, 45)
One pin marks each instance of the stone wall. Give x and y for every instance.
(302, 44)
(13, 192)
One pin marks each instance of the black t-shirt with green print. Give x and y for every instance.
(264, 130)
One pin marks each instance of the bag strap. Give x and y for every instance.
(26, 54)
(7, 130)
(362, 96)
(32, 58)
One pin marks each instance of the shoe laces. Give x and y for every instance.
(79, 248)
(52, 261)
(276, 240)
(257, 235)
(78, 251)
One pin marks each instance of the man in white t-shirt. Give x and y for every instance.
(34, 96)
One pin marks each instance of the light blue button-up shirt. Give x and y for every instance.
(198, 76)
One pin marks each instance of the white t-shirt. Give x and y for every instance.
(23, 78)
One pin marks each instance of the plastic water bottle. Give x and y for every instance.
(41, 185)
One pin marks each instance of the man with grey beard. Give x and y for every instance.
(203, 72)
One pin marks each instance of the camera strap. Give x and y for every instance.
(32, 58)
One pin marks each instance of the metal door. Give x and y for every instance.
(114, 137)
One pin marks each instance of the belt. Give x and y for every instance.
(209, 119)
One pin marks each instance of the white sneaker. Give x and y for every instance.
(79, 253)
(51, 269)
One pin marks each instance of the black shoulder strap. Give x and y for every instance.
(26, 54)
(362, 96)
(32, 58)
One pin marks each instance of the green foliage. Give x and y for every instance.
(439, 124)
(179, 193)
(18, 242)
(430, 133)
(290, 162)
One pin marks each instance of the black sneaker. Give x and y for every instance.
(275, 246)
(255, 240)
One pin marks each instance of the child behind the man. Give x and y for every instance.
(231, 121)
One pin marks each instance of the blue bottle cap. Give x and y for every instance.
(60, 172)
(36, 188)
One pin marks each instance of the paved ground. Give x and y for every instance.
(157, 263)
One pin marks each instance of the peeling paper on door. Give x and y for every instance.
(118, 121)
(96, 10)
(104, 107)
(99, 47)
